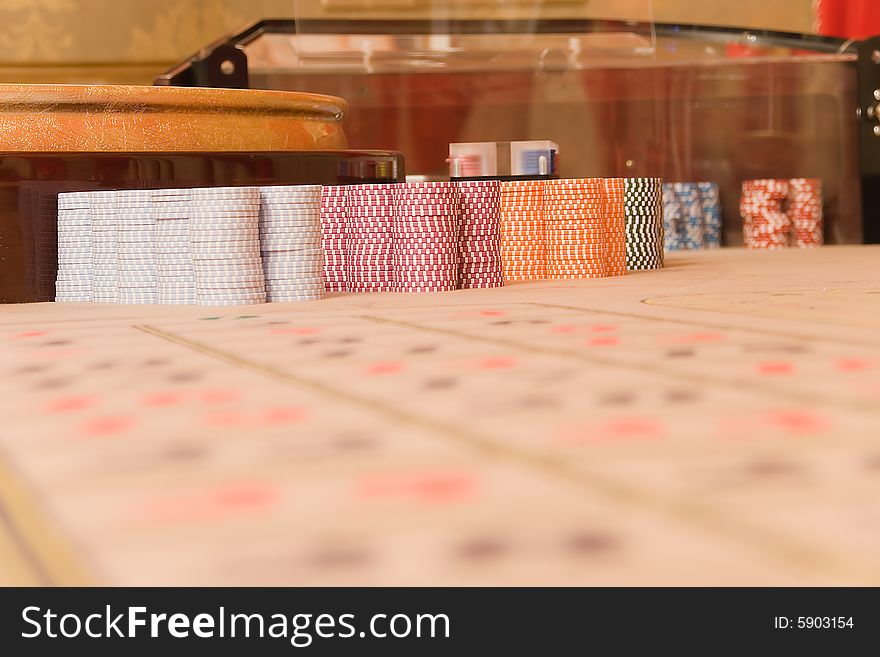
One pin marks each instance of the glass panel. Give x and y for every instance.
(619, 96)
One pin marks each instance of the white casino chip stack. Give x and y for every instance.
(176, 275)
(137, 274)
(105, 235)
(290, 238)
(225, 242)
(74, 280)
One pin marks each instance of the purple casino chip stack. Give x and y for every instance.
(369, 266)
(426, 237)
(480, 235)
(334, 236)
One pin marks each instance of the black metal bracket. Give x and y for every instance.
(226, 66)
(222, 65)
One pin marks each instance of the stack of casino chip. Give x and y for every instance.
(687, 194)
(74, 278)
(334, 236)
(691, 216)
(575, 228)
(175, 272)
(480, 237)
(105, 239)
(673, 232)
(710, 204)
(523, 243)
(615, 223)
(766, 225)
(137, 271)
(805, 211)
(643, 203)
(290, 242)
(426, 237)
(225, 241)
(370, 260)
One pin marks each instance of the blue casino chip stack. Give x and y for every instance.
(691, 216)
(710, 202)
(672, 219)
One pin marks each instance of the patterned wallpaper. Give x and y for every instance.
(89, 31)
(131, 40)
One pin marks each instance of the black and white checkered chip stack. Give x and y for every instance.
(136, 268)
(643, 202)
(480, 235)
(105, 238)
(334, 235)
(290, 238)
(74, 280)
(224, 225)
(176, 275)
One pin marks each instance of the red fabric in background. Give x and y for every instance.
(850, 19)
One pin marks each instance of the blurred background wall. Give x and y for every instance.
(129, 41)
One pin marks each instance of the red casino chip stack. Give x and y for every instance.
(765, 223)
(805, 211)
(615, 224)
(576, 229)
(523, 250)
(426, 237)
(334, 238)
(371, 214)
(480, 235)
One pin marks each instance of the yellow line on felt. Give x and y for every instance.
(41, 550)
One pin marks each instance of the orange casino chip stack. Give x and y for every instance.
(576, 229)
(523, 249)
(615, 217)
